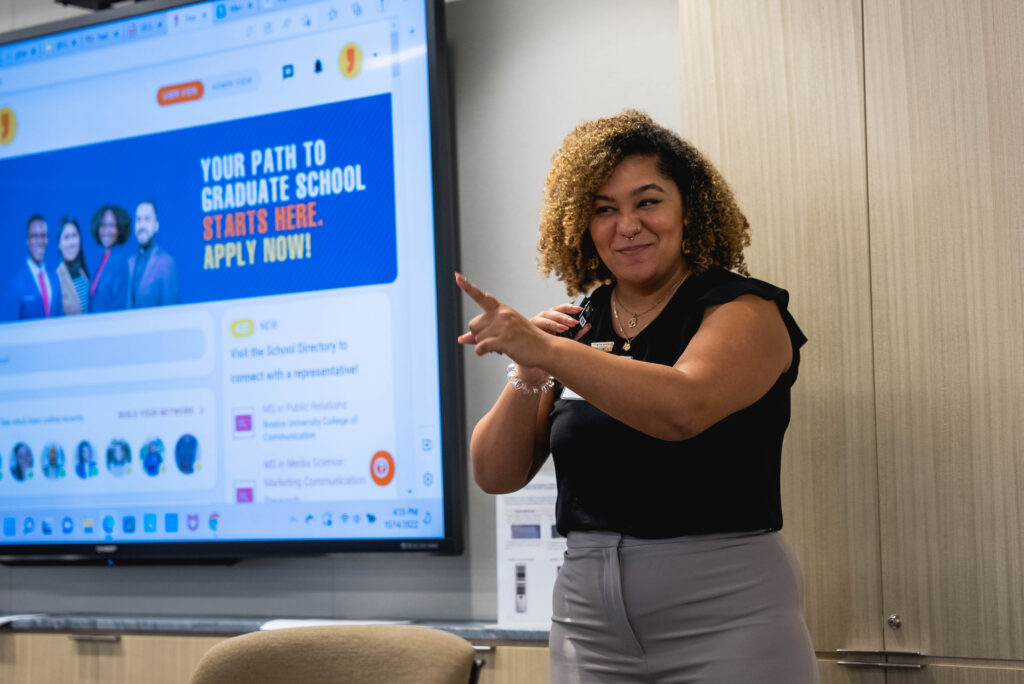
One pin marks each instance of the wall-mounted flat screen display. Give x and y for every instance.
(225, 291)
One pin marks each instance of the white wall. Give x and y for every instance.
(524, 73)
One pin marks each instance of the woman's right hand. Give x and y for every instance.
(555, 321)
(558, 319)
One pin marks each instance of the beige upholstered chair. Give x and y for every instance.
(363, 654)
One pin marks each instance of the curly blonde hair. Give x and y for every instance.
(717, 232)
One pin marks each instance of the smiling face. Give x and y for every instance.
(146, 224)
(37, 240)
(638, 224)
(70, 242)
(108, 229)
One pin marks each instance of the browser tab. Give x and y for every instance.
(111, 36)
(190, 18)
(234, 9)
(152, 27)
(25, 53)
(62, 46)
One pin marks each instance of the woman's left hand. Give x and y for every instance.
(502, 329)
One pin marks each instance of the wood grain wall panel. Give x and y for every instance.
(950, 674)
(773, 93)
(831, 673)
(515, 665)
(59, 659)
(945, 121)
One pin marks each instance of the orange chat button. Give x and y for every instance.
(382, 468)
(181, 92)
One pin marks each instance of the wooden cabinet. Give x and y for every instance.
(100, 659)
(831, 673)
(511, 664)
(952, 674)
(772, 93)
(877, 147)
(38, 658)
(945, 175)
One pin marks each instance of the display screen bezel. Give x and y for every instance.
(449, 358)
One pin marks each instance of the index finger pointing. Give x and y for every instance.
(485, 301)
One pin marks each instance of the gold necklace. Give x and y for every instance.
(633, 321)
(629, 340)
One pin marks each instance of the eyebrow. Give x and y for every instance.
(641, 189)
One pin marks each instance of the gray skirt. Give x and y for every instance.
(721, 609)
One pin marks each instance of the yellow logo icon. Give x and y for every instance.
(8, 125)
(350, 61)
(243, 327)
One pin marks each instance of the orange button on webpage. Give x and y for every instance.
(382, 468)
(181, 92)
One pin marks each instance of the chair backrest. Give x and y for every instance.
(367, 654)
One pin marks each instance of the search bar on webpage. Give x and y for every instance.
(105, 349)
(162, 346)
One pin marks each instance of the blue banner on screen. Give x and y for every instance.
(297, 201)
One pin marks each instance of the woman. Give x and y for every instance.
(85, 461)
(73, 273)
(21, 462)
(119, 457)
(665, 416)
(110, 227)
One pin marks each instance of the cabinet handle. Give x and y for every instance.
(902, 666)
(878, 663)
(478, 647)
(96, 638)
(880, 653)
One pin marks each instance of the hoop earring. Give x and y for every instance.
(593, 263)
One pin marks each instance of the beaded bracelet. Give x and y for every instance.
(519, 385)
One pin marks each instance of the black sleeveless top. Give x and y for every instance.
(726, 479)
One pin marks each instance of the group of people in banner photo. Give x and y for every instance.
(119, 280)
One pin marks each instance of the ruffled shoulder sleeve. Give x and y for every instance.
(724, 286)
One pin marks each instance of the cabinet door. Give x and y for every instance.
(65, 659)
(946, 172)
(515, 665)
(772, 92)
(949, 674)
(831, 673)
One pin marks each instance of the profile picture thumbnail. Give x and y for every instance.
(85, 461)
(152, 456)
(186, 454)
(119, 457)
(53, 461)
(22, 462)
